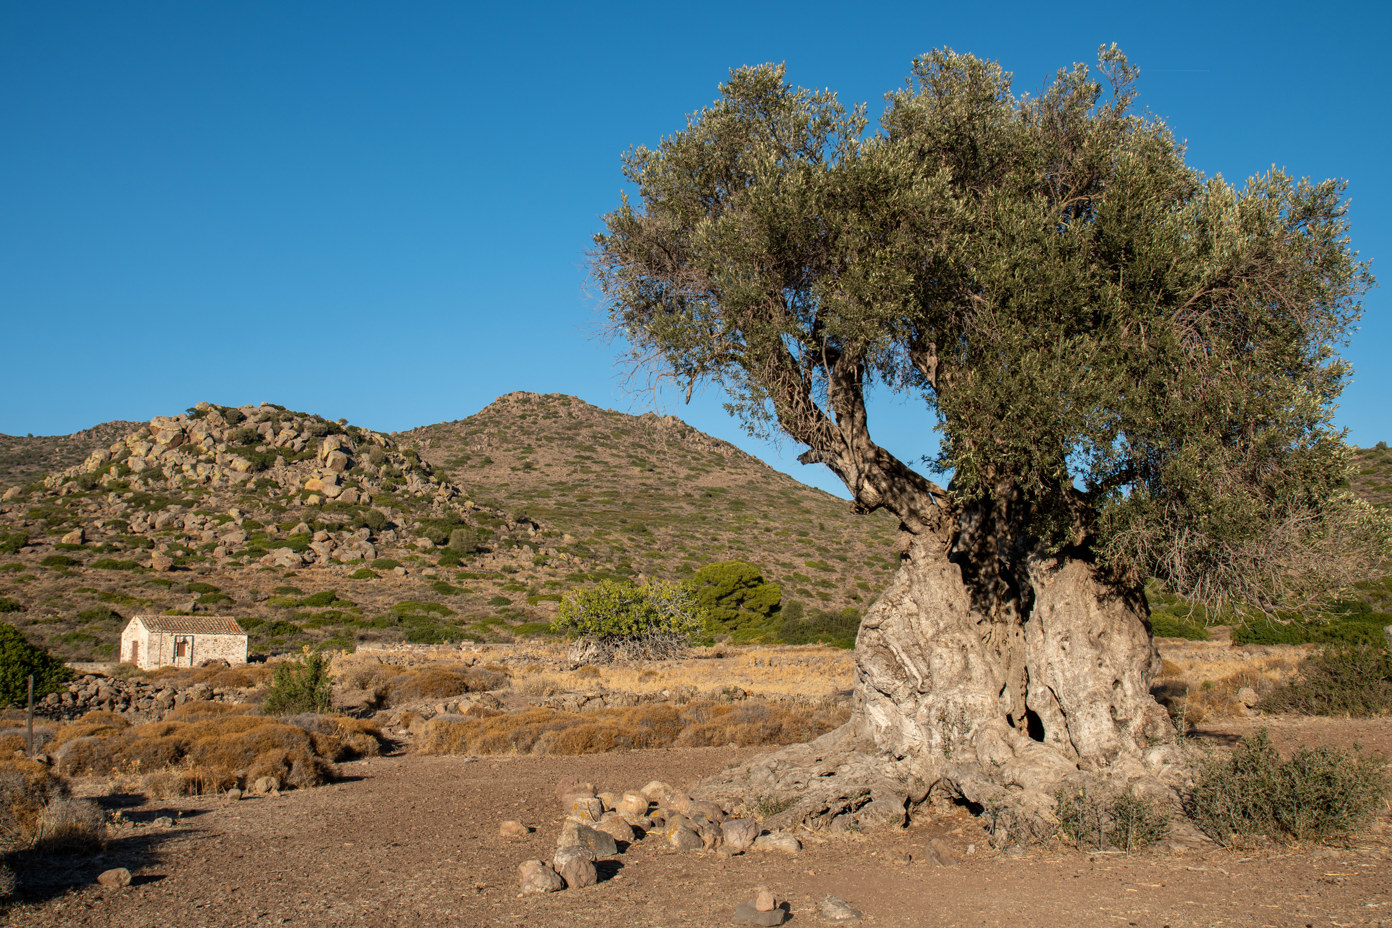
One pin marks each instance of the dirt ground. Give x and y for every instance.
(413, 839)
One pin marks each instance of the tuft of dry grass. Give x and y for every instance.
(205, 748)
(413, 679)
(26, 789)
(652, 725)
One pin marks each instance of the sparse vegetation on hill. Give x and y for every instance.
(320, 533)
(650, 495)
(26, 459)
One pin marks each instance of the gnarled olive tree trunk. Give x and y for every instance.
(988, 676)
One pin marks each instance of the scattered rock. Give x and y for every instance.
(578, 833)
(778, 841)
(534, 876)
(161, 561)
(75, 537)
(836, 909)
(655, 790)
(585, 809)
(614, 825)
(738, 834)
(632, 804)
(234, 794)
(575, 865)
(264, 786)
(513, 829)
(115, 878)
(683, 838)
(763, 900)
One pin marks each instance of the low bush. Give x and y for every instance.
(9, 605)
(301, 686)
(1124, 821)
(206, 747)
(364, 573)
(1340, 679)
(1319, 794)
(26, 789)
(11, 542)
(617, 619)
(835, 628)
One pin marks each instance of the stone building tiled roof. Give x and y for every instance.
(190, 624)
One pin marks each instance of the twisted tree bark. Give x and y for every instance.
(992, 683)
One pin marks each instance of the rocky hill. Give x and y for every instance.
(256, 511)
(651, 495)
(311, 531)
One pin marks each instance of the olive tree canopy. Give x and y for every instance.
(1141, 358)
(1131, 366)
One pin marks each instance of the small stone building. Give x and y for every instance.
(151, 641)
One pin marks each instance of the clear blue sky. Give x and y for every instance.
(381, 211)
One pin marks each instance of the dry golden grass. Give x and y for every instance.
(1201, 679)
(27, 788)
(208, 747)
(653, 725)
(811, 673)
(395, 680)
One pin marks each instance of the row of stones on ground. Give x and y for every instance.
(602, 825)
(128, 697)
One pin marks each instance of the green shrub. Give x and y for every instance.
(735, 595)
(198, 586)
(1320, 794)
(375, 520)
(1341, 679)
(11, 542)
(616, 619)
(18, 660)
(532, 628)
(445, 588)
(1165, 623)
(1348, 621)
(301, 686)
(1126, 821)
(364, 573)
(321, 599)
(9, 605)
(385, 563)
(835, 628)
(60, 560)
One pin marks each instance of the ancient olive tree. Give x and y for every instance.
(1131, 367)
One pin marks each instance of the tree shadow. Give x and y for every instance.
(42, 877)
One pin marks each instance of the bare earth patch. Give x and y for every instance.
(413, 839)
